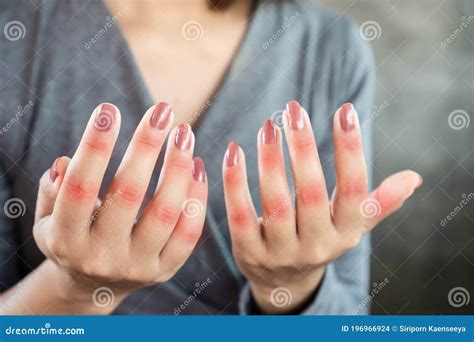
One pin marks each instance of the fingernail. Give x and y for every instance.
(183, 137)
(295, 116)
(53, 171)
(420, 181)
(269, 133)
(104, 117)
(161, 116)
(232, 154)
(199, 171)
(347, 117)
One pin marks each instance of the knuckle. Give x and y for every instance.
(355, 187)
(233, 177)
(128, 193)
(190, 234)
(167, 214)
(303, 145)
(239, 216)
(181, 166)
(352, 143)
(314, 193)
(146, 142)
(96, 145)
(278, 206)
(77, 188)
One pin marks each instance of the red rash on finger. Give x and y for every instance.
(303, 146)
(79, 190)
(146, 143)
(166, 214)
(234, 177)
(239, 217)
(189, 234)
(96, 145)
(311, 194)
(270, 158)
(351, 143)
(179, 165)
(127, 194)
(278, 206)
(353, 188)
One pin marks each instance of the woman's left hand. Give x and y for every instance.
(288, 249)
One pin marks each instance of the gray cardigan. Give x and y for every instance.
(59, 59)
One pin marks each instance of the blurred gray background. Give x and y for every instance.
(424, 121)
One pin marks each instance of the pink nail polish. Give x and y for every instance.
(199, 171)
(53, 171)
(183, 137)
(232, 154)
(347, 117)
(104, 117)
(161, 116)
(269, 133)
(295, 116)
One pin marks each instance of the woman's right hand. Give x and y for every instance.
(95, 244)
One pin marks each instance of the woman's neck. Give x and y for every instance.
(170, 12)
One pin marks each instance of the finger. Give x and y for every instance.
(351, 172)
(279, 226)
(127, 189)
(49, 185)
(190, 224)
(389, 197)
(162, 213)
(241, 215)
(78, 193)
(312, 203)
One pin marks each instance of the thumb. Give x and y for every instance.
(49, 185)
(389, 196)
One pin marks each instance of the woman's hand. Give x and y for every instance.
(290, 248)
(101, 244)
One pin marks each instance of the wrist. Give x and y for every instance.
(82, 297)
(290, 297)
